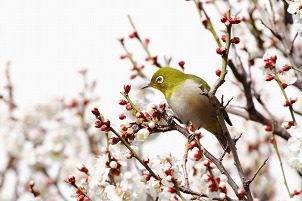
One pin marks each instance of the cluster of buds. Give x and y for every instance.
(270, 62)
(230, 21)
(133, 34)
(290, 102)
(221, 50)
(215, 184)
(234, 40)
(103, 125)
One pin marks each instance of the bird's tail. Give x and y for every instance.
(223, 141)
(216, 130)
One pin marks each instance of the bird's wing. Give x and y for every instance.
(207, 87)
(226, 117)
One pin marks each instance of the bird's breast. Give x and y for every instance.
(189, 104)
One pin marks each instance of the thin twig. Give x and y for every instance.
(258, 170)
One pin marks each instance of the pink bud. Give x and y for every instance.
(221, 51)
(223, 38)
(193, 144)
(267, 128)
(218, 72)
(127, 88)
(133, 35)
(71, 179)
(235, 40)
(170, 178)
(286, 104)
(128, 107)
(95, 111)
(223, 19)
(205, 22)
(146, 160)
(269, 77)
(122, 116)
(129, 155)
(292, 100)
(181, 64)
(284, 85)
(82, 168)
(272, 141)
(123, 56)
(147, 41)
(206, 177)
(122, 102)
(98, 124)
(286, 67)
(296, 192)
(103, 128)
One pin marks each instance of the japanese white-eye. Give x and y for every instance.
(185, 98)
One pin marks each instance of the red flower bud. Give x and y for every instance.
(127, 88)
(193, 144)
(235, 40)
(98, 124)
(267, 128)
(218, 72)
(122, 102)
(147, 41)
(71, 179)
(269, 77)
(286, 104)
(205, 22)
(223, 19)
(122, 116)
(181, 64)
(146, 160)
(123, 56)
(286, 67)
(82, 168)
(223, 38)
(96, 112)
(221, 51)
(133, 35)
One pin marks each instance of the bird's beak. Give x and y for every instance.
(147, 86)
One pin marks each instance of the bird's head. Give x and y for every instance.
(166, 79)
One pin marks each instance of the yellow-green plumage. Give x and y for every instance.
(184, 96)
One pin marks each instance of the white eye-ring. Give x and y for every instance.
(159, 79)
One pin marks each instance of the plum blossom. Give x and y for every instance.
(99, 177)
(294, 145)
(295, 9)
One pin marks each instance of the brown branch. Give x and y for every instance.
(251, 112)
(215, 103)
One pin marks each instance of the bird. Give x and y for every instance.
(184, 96)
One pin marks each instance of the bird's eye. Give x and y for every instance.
(159, 79)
